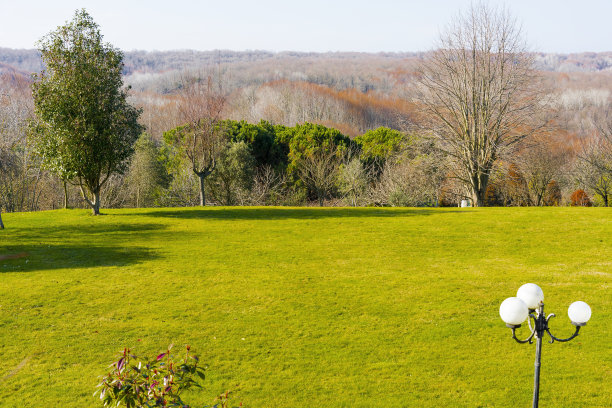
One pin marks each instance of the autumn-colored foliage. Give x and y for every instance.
(580, 198)
(517, 187)
(553, 194)
(365, 110)
(494, 195)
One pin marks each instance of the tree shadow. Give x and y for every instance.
(30, 258)
(281, 213)
(80, 231)
(76, 246)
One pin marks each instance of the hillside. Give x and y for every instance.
(259, 80)
(159, 61)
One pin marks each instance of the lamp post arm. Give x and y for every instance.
(532, 329)
(553, 338)
(531, 316)
(527, 340)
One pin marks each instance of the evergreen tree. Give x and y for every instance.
(84, 128)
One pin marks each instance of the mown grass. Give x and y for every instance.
(301, 307)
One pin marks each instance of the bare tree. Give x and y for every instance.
(593, 169)
(540, 163)
(407, 181)
(18, 177)
(319, 171)
(201, 139)
(353, 178)
(515, 188)
(598, 150)
(269, 186)
(478, 91)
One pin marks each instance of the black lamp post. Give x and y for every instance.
(529, 303)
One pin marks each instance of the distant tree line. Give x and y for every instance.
(76, 133)
(266, 164)
(310, 164)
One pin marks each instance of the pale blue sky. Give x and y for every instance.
(313, 25)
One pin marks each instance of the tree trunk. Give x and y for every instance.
(202, 196)
(539, 200)
(477, 198)
(479, 189)
(1, 223)
(228, 194)
(65, 195)
(96, 203)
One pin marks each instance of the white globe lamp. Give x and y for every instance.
(579, 313)
(531, 294)
(513, 311)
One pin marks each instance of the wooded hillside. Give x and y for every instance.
(351, 92)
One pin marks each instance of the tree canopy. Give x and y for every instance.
(84, 128)
(262, 139)
(479, 91)
(308, 138)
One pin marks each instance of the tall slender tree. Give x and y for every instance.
(84, 128)
(478, 89)
(147, 175)
(202, 139)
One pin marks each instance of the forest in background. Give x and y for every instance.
(352, 92)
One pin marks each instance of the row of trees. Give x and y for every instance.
(482, 132)
(265, 164)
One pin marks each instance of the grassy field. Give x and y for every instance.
(307, 307)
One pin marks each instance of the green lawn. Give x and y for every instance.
(303, 307)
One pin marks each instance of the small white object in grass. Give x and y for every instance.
(579, 312)
(513, 311)
(531, 294)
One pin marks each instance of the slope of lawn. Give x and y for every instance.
(302, 307)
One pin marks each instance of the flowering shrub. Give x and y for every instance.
(137, 382)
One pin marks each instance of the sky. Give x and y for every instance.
(561, 26)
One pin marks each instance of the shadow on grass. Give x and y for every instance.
(76, 246)
(30, 258)
(279, 213)
(85, 232)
